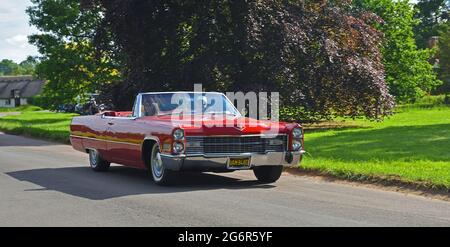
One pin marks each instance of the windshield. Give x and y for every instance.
(186, 103)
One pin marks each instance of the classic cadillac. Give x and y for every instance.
(168, 132)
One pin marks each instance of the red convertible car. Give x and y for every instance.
(169, 132)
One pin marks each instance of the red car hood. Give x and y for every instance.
(229, 125)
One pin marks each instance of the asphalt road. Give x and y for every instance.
(48, 184)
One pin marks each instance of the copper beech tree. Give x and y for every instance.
(324, 60)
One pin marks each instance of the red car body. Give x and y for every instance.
(125, 138)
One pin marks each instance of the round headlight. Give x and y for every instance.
(178, 134)
(296, 145)
(178, 147)
(297, 133)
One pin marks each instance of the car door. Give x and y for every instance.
(124, 139)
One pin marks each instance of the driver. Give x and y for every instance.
(149, 108)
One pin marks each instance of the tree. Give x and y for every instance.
(9, 67)
(408, 72)
(28, 65)
(322, 60)
(444, 58)
(70, 64)
(432, 15)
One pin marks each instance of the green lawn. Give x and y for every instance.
(40, 124)
(21, 108)
(412, 146)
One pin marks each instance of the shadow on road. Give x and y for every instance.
(123, 181)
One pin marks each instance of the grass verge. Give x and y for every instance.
(24, 108)
(39, 124)
(412, 146)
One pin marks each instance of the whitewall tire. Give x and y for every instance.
(96, 162)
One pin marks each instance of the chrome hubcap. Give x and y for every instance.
(157, 166)
(93, 158)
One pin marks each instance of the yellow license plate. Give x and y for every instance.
(238, 162)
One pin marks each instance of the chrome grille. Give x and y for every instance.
(235, 144)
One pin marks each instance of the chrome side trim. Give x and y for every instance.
(152, 138)
(99, 139)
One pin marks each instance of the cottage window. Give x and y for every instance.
(8, 102)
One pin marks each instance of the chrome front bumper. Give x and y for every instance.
(220, 161)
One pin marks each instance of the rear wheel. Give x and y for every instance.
(268, 174)
(97, 163)
(161, 175)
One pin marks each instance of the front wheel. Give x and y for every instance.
(268, 174)
(161, 175)
(97, 163)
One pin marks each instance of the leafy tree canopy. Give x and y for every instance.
(444, 58)
(323, 60)
(408, 71)
(9, 67)
(432, 14)
(69, 62)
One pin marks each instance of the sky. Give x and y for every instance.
(14, 29)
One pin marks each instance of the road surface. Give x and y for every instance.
(48, 184)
